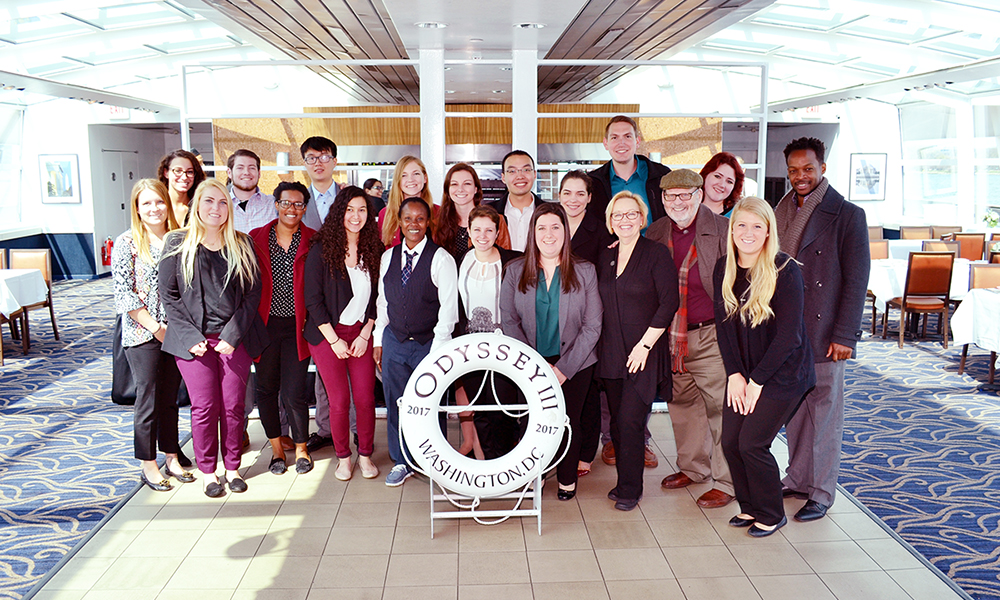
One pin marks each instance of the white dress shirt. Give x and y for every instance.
(444, 275)
(518, 224)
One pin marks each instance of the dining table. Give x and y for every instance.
(19, 288)
(887, 279)
(977, 321)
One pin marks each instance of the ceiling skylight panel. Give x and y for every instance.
(895, 30)
(803, 17)
(142, 14)
(34, 29)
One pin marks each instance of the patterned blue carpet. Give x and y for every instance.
(65, 448)
(921, 446)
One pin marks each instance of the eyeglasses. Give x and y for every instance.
(685, 196)
(290, 204)
(525, 171)
(179, 172)
(377, 188)
(630, 215)
(323, 158)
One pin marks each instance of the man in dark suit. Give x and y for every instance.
(627, 170)
(829, 237)
(696, 237)
(518, 203)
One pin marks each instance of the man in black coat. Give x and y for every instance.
(829, 236)
(627, 170)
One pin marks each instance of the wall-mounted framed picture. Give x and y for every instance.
(867, 177)
(60, 175)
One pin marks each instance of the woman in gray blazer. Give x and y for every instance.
(549, 300)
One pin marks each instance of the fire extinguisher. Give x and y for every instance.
(106, 248)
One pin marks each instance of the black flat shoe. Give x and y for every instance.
(237, 486)
(214, 490)
(277, 465)
(163, 486)
(738, 521)
(303, 465)
(183, 477)
(758, 532)
(183, 460)
(627, 505)
(565, 494)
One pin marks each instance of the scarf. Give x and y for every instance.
(679, 326)
(792, 220)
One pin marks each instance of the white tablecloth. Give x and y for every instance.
(888, 276)
(20, 287)
(977, 320)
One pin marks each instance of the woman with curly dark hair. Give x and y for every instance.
(462, 192)
(723, 177)
(341, 282)
(181, 172)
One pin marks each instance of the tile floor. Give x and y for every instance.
(311, 536)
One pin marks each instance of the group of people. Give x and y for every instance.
(634, 286)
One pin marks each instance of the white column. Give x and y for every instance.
(965, 172)
(525, 99)
(432, 139)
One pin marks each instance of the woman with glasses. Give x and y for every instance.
(134, 264)
(762, 337)
(638, 286)
(462, 192)
(282, 247)
(409, 180)
(181, 172)
(549, 300)
(211, 288)
(723, 177)
(374, 188)
(341, 284)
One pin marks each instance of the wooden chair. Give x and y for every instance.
(973, 245)
(879, 249)
(915, 233)
(928, 284)
(982, 276)
(994, 237)
(41, 260)
(940, 246)
(3, 258)
(17, 316)
(875, 233)
(939, 231)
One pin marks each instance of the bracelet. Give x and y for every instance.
(334, 342)
(647, 347)
(365, 338)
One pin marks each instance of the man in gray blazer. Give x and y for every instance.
(696, 237)
(829, 237)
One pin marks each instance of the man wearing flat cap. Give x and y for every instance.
(696, 237)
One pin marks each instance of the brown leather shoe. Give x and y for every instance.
(714, 498)
(650, 458)
(676, 481)
(608, 454)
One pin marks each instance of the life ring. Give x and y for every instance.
(434, 456)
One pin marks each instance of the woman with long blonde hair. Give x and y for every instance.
(409, 180)
(769, 363)
(211, 288)
(134, 265)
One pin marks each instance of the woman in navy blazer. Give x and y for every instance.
(549, 300)
(210, 285)
(282, 246)
(341, 284)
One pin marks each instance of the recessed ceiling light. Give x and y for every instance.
(476, 40)
(499, 91)
(449, 91)
(431, 25)
(529, 25)
(506, 68)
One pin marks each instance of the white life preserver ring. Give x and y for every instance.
(438, 459)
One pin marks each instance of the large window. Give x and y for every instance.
(10, 166)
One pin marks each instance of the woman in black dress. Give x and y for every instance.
(637, 280)
(762, 338)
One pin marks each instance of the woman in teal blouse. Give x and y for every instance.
(549, 300)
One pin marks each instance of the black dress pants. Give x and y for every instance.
(628, 425)
(575, 392)
(279, 370)
(497, 432)
(156, 382)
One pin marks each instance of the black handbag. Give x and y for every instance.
(122, 383)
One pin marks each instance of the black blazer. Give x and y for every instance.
(505, 257)
(778, 351)
(646, 295)
(185, 306)
(591, 237)
(327, 295)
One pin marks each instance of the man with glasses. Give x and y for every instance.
(251, 208)
(519, 201)
(320, 155)
(696, 238)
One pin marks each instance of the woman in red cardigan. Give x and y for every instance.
(282, 247)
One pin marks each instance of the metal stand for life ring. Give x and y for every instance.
(534, 495)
